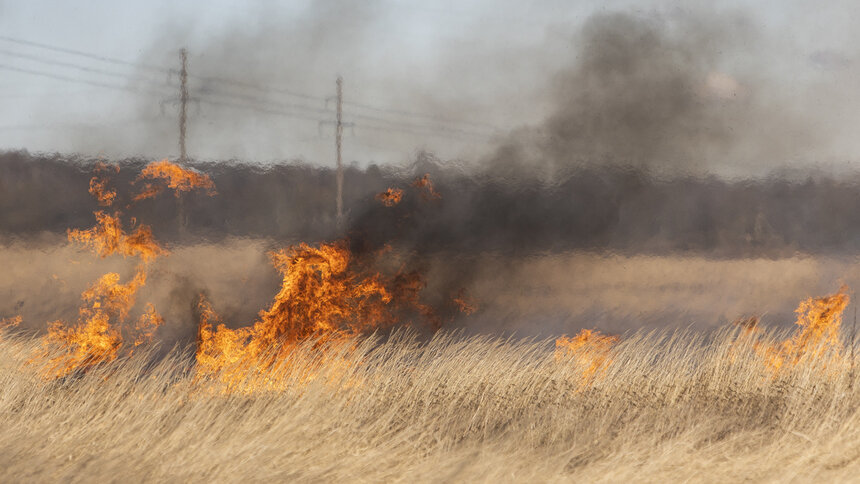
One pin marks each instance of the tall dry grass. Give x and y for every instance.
(669, 408)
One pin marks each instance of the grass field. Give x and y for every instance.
(336, 377)
(661, 408)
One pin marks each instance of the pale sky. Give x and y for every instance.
(466, 72)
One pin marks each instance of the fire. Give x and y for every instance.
(177, 178)
(149, 191)
(326, 295)
(99, 189)
(97, 337)
(100, 332)
(428, 192)
(108, 238)
(99, 185)
(146, 325)
(390, 197)
(816, 339)
(11, 322)
(589, 349)
(819, 320)
(464, 303)
(393, 196)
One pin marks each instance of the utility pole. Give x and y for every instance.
(183, 102)
(339, 144)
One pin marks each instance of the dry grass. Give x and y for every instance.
(668, 409)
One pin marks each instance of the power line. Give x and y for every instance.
(156, 68)
(412, 129)
(153, 91)
(263, 110)
(237, 83)
(421, 115)
(51, 93)
(247, 85)
(132, 78)
(110, 60)
(427, 132)
(401, 124)
(286, 109)
(68, 64)
(79, 81)
(260, 101)
(79, 126)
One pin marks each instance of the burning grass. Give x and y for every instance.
(308, 391)
(325, 295)
(670, 407)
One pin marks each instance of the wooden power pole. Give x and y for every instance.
(183, 118)
(339, 145)
(183, 102)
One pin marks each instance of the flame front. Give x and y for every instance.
(177, 178)
(99, 334)
(589, 350)
(325, 295)
(96, 338)
(328, 295)
(816, 339)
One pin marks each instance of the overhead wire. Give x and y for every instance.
(70, 65)
(442, 127)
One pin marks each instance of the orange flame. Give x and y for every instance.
(98, 189)
(390, 197)
(96, 338)
(816, 338)
(464, 303)
(108, 238)
(179, 179)
(146, 325)
(149, 191)
(589, 350)
(324, 294)
(428, 192)
(11, 322)
(99, 185)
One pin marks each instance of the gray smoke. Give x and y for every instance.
(668, 94)
(267, 56)
(696, 89)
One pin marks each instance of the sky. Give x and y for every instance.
(452, 77)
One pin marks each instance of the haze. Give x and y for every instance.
(460, 79)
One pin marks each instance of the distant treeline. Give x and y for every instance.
(594, 208)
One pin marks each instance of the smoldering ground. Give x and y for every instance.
(567, 224)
